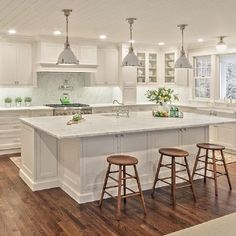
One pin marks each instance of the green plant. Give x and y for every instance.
(28, 99)
(18, 100)
(161, 95)
(8, 100)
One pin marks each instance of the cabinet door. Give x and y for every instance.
(24, 64)
(87, 55)
(107, 72)
(8, 64)
(50, 52)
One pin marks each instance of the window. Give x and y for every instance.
(202, 76)
(228, 76)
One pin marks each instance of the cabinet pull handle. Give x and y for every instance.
(116, 135)
(122, 135)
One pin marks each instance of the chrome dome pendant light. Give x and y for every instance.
(182, 61)
(67, 57)
(221, 46)
(130, 59)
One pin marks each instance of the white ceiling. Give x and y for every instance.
(157, 19)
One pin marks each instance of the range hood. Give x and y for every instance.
(52, 67)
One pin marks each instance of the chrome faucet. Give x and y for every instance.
(120, 111)
(116, 101)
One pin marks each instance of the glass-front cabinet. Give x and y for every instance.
(147, 70)
(169, 67)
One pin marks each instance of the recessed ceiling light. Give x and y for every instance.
(11, 31)
(102, 36)
(161, 43)
(200, 40)
(57, 32)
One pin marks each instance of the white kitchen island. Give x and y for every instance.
(74, 157)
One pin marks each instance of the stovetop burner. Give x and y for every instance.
(67, 105)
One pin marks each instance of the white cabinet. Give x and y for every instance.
(48, 53)
(107, 71)
(16, 64)
(10, 126)
(147, 70)
(224, 134)
(87, 55)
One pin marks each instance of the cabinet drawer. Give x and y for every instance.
(9, 146)
(9, 126)
(9, 140)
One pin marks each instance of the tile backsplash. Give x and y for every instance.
(48, 90)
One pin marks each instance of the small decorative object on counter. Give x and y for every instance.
(18, 101)
(65, 99)
(8, 101)
(162, 96)
(75, 119)
(28, 101)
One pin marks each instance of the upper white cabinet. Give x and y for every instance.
(87, 55)
(15, 64)
(147, 71)
(49, 52)
(107, 71)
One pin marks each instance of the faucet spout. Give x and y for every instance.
(116, 101)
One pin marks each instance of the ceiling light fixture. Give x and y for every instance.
(200, 40)
(221, 45)
(130, 59)
(11, 31)
(67, 57)
(182, 61)
(161, 43)
(57, 32)
(102, 36)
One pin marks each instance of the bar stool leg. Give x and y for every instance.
(119, 194)
(206, 164)
(124, 183)
(196, 162)
(156, 176)
(173, 185)
(140, 190)
(226, 169)
(214, 172)
(104, 185)
(190, 178)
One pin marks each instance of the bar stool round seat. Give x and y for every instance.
(122, 160)
(173, 152)
(210, 146)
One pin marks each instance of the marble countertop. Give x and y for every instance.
(30, 108)
(107, 124)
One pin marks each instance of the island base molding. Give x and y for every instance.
(78, 165)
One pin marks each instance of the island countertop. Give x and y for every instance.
(107, 124)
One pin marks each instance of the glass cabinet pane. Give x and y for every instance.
(202, 66)
(152, 63)
(169, 67)
(141, 71)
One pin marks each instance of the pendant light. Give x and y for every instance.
(221, 45)
(182, 61)
(67, 57)
(131, 59)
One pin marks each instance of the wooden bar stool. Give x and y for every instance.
(210, 147)
(122, 161)
(173, 153)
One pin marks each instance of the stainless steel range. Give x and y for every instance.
(70, 109)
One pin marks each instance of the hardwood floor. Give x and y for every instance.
(53, 212)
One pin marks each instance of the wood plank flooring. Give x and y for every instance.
(53, 212)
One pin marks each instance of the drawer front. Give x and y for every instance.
(9, 126)
(14, 114)
(42, 113)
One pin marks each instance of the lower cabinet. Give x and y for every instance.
(10, 128)
(224, 134)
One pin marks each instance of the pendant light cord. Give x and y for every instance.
(131, 34)
(67, 40)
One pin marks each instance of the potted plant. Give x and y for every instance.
(162, 96)
(28, 101)
(8, 101)
(18, 101)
